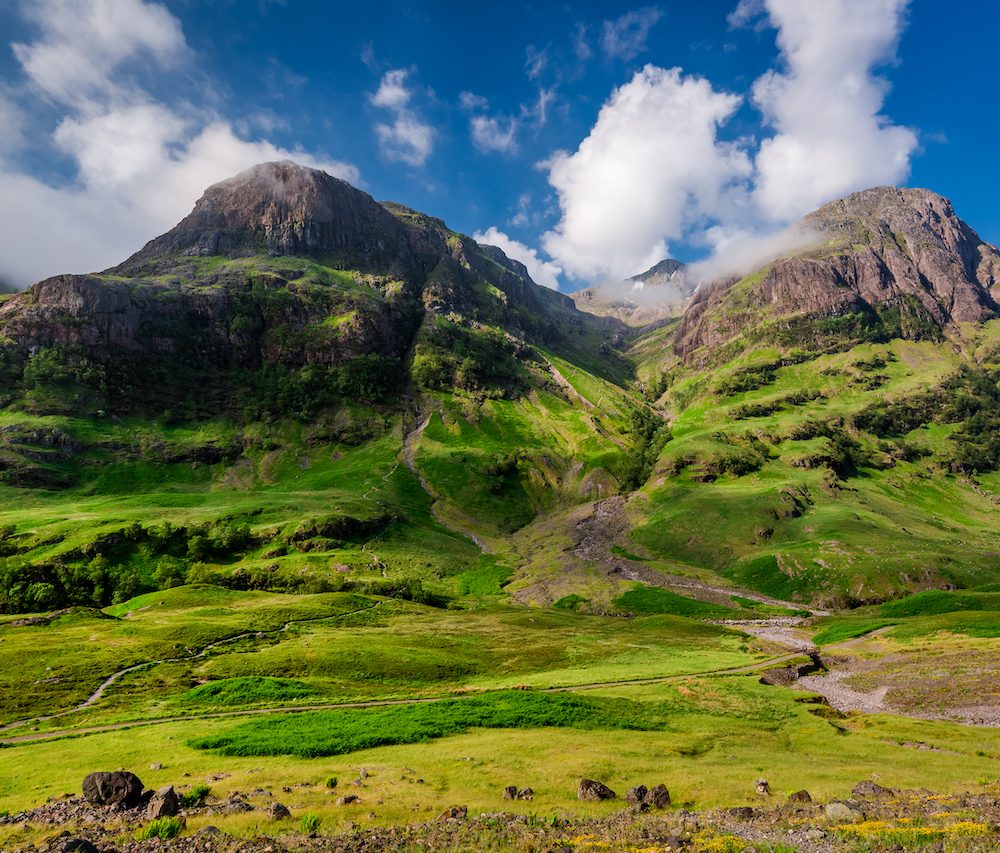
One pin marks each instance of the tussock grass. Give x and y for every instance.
(329, 733)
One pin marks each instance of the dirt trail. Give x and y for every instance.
(194, 655)
(409, 457)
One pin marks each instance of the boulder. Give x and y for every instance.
(763, 788)
(870, 790)
(163, 803)
(590, 789)
(526, 794)
(117, 788)
(800, 797)
(349, 800)
(510, 792)
(742, 813)
(635, 796)
(76, 845)
(658, 797)
(838, 810)
(278, 812)
(235, 805)
(454, 813)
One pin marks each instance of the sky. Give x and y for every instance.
(588, 140)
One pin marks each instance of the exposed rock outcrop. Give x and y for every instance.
(886, 262)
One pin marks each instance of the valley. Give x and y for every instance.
(312, 488)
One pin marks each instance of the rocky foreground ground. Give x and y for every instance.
(873, 819)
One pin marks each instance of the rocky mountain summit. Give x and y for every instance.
(889, 263)
(660, 292)
(281, 265)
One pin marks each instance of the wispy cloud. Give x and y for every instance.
(407, 138)
(624, 38)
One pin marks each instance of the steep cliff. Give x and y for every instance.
(890, 263)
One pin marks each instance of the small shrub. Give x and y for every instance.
(331, 781)
(196, 796)
(164, 828)
(309, 822)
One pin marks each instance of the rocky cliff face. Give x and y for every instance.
(285, 209)
(892, 262)
(281, 265)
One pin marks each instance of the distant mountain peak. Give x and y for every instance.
(666, 270)
(641, 299)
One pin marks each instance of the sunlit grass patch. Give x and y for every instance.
(327, 733)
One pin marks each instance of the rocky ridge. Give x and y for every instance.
(280, 265)
(891, 263)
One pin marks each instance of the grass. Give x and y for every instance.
(649, 600)
(249, 690)
(325, 648)
(330, 733)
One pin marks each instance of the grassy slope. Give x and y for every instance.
(877, 533)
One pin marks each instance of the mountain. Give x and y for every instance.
(283, 268)
(300, 388)
(649, 297)
(886, 263)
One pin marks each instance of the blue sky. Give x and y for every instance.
(587, 139)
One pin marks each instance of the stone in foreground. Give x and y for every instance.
(590, 789)
(117, 788)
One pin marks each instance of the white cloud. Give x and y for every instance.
(494, 133)
(535, 62)
(139, 164)
(825, 105)
(581, 46)
(653, 169)
(471, 101)
(392, 92)
(625, 38)
(83, 41)
(545, 273)
(651, 166)
(407, 138)
(522, 217)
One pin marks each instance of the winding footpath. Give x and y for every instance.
(194, 655)
(746, 669)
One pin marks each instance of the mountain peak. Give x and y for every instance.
(659, 273)
(279, 208)
(894, 262)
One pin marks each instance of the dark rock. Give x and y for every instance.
(636, 795)
(870, 790)
(236, 805)
(510, 792)
(763, 788)
(278, 812)
(658, 797)
(76, 845)
(117, 788)
(589, 789)
(742, 813)
(800, 797)
(454, 813)
(526, 794)
(898, 250)
(348, 800)
(164, 803)
(209, 831)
